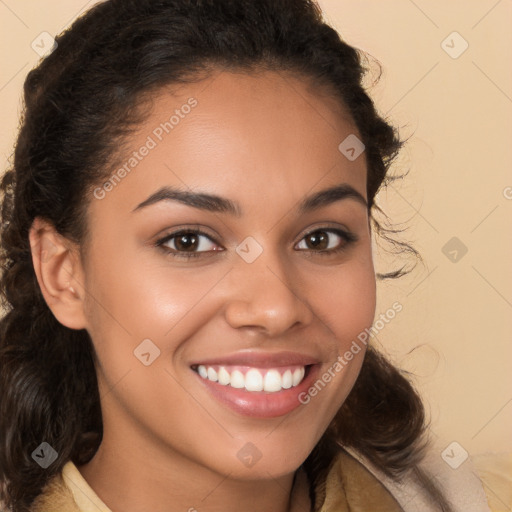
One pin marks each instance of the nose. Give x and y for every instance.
(266, 297)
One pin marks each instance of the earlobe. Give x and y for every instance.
(59, 273)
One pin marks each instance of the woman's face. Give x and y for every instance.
(268, 294)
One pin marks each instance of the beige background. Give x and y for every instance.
(454, 330)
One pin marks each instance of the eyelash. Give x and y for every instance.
(348, 237)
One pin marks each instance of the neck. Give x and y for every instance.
(142, 478)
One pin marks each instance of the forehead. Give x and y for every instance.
(239, 135)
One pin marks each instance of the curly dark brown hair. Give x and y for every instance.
(80, 104)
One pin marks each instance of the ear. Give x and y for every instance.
(59, 273)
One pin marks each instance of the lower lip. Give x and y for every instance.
(261, 404)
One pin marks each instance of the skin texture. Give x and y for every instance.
(267, 141)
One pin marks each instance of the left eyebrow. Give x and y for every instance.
(329, 196)
(217, 204)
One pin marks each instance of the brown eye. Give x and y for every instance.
(327, 241)
(188, 243)
(318, 240)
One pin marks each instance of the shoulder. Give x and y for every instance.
(460, 483)
(495, 471)
(349, 485)
(55, 497)
(68, 491)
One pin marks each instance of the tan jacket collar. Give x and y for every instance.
(352, 485)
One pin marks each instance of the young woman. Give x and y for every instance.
(188, 273)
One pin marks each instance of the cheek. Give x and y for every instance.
(147, 299)
(137, 309)
(344, 300)
(133, 301)
(345, 305)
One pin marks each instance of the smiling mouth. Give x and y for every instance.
(270, 380)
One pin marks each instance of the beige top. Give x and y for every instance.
(352, 485)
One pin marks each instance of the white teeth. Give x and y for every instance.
(298, 375)
(224, 377)
(272, 381)
(287, 379)
(237, 379)
(254, 380)
(202, 371)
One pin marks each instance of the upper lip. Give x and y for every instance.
(261, 359)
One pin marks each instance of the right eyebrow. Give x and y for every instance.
(200, 200)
